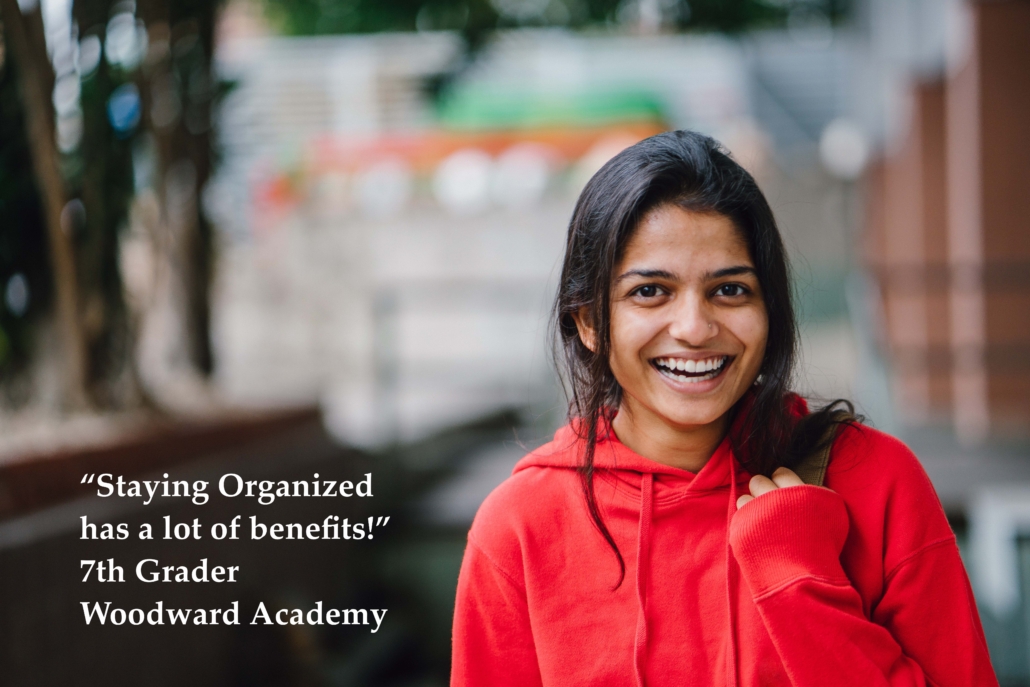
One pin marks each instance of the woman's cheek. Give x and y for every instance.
(752, 329)
(632, 329)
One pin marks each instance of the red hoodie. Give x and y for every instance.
(857, 584)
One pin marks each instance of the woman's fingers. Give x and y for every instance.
(760, 484)
(784, 477)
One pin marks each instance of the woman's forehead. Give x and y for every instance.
(671, 236)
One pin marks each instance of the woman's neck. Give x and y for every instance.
(650, 436)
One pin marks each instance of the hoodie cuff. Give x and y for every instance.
(788, 534)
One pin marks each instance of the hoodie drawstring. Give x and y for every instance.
(732, 583)
(643, 567)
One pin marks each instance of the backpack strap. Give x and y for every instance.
(812, 468)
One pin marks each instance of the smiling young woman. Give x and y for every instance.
(678, 340)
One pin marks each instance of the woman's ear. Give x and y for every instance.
(585, 327)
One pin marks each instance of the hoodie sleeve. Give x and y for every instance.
(924, 630)
(492, 641)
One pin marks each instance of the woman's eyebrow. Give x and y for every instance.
(646, 274)
(731, 272)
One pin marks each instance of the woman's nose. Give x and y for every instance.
(693, 322)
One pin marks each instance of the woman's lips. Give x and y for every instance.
(691, 371)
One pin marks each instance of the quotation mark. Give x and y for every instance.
(380, 521)
(87, 479)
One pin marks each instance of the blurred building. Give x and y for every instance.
(947, 227)
(947, 244)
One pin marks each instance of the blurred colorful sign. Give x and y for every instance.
(469, 170)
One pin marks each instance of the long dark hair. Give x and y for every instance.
(696, 173)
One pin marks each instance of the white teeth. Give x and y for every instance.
(709, 368)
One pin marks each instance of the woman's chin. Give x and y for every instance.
(695, 410)
(692, 420)
(692, 415)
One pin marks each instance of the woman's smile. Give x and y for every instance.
(691, 371)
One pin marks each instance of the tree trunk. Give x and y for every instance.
(27, 46)
(174, 348)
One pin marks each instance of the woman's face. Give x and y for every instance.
(688, 322)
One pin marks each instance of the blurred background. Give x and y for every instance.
(280, 237)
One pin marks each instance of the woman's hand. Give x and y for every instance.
(760, 484)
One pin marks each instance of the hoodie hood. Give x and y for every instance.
(636, 473)
(611, 455)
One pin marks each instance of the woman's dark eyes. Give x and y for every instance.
(647, 291)
(725, 290)
(731, 290)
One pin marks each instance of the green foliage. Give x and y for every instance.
(733, 16)
(475, 18)
(312, 17)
